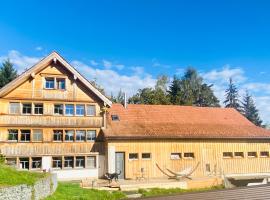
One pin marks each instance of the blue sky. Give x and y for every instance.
(127, 44)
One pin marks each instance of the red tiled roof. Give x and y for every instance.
(170, 121)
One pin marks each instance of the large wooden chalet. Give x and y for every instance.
(53, 119)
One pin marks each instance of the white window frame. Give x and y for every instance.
(13, 134)
(31, 107)
(86, 109)
(176, 156)
(94, 162)
(150, 156)
(133, 158)
(21, 130)
(11, 109)
(83, 108)
(91, 134)
(45, 85)
(34, 134)
(34, 107)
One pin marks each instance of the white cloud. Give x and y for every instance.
(107, 64)
(138, 70)
(237, 74)
(93, 63)
(20, 61)
(112, 81)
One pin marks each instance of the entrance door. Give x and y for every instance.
(120, 164)
(209, 163)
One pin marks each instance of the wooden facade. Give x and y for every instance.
(44, 114)
(208, 152)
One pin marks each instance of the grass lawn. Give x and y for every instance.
(9, 176)
(72, 191)
(164, 192)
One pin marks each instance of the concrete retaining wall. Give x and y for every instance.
(39, 190)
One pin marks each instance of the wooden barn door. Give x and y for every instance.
(209, 163)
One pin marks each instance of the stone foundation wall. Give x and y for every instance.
(39, 190)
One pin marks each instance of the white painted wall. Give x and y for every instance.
(46, 163)
(111, 159)
(75, 174)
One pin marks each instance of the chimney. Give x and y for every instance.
(125, 100)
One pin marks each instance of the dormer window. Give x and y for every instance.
(115, 118)
(49, 83)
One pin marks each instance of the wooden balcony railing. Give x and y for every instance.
(38, 149)
(49, 121)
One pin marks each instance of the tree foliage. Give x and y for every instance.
(7, 73)
(250, 111)
(190, 90)
(120, 98)
(157, 95)
(232, 97)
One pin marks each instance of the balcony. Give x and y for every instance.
(49, 121)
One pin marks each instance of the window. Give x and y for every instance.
(38, 108)
(57, 135)
(252, 154)
(189, 155)
(11, 161)
(264, 154)
(227, 154)
(133, 156)
(57, 162)
(25, 135)
(26, 108)
(91, 135)
(13, 135)
(14, 108)
(175, 156)
(239, 154)
(24, 163)
(69, 135)
(80, 110)
(37, 135)
(49, 83)
(69, 109)
(68, 162)
(90, 110)
(58, 109)
(80, 135)
(146, 156)
(61, 83)
(115, 118)
(91, 161)
(80, 161)
(36, 162)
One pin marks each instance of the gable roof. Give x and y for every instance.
(171, 121)
(43, 64)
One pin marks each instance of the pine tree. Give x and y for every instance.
(250, 111)
(231, 97)
(174, 90)
(190, 90)
(7, 73)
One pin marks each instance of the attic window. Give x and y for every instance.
(115, 118)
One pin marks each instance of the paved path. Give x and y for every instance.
(244, 193)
